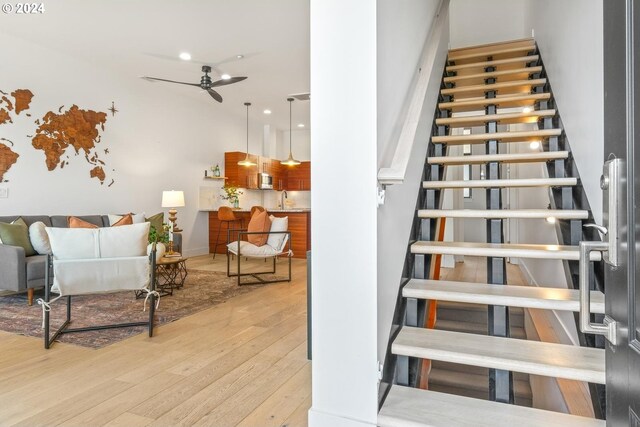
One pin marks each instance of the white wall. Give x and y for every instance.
(156, 142)
(300, 144)
(476, 22)
(343, 230)
(402, 30)
(569, 34)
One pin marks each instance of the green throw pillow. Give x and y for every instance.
(17, 234)
(156, 221)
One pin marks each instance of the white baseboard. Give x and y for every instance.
(323, 419)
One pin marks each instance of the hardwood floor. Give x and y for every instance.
(238, 363)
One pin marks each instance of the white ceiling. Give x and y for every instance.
(144, 37)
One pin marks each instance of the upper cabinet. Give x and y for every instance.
(241, 176)
(299, 177)
(291, 178)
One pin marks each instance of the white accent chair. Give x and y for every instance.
(278, 244)
(97, 261)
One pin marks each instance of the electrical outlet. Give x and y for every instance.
(4, 192)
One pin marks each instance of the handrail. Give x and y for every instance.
(395, 173)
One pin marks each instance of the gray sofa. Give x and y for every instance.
(24, 274)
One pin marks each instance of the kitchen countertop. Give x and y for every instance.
(290, 210)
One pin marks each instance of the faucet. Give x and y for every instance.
(283, 196)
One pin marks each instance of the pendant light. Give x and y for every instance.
(247, 162)
(290, 161)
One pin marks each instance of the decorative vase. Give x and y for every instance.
(161, 249)
(216, 171)
(236, 203)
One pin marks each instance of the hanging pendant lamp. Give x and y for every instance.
(247, 162)
(290, 161)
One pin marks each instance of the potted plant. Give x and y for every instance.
(232, 194)
(160, 239)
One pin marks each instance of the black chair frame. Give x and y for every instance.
(258, 280)
(64, 329)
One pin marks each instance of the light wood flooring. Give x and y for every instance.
(238, 363)
(243, 362)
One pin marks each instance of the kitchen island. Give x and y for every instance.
(299, 226)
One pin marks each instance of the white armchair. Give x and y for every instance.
(278, 245)
(97, 261)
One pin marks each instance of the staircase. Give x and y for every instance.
(458, 353)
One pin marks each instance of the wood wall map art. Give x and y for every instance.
(11, 105)
(59, 134)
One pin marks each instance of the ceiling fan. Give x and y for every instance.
(206, 83)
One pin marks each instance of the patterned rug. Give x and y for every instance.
(202, 289)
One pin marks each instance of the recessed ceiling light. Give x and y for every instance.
(239, 56)
(527, 109)
(300, 125)
(225, 77)
(551, 219)
(535, 145)
(185, 56)
(267, 111)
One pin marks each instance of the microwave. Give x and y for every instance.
(265, 181)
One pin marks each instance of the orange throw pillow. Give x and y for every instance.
(78, 223)
(260, 222)
(125, 220)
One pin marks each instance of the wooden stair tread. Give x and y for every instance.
(504, 213)
(509, 295)
(514, 250)
(491, 46)
(495, 63)
(502, 183)
(475, 370)
(500, 87)
(513, 136)
(502, 119)
(509, 101)
(498, 52)
(532, 357)
(538, 156)
(500, 76)
(412, 407)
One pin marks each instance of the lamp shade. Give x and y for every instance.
(172, 199)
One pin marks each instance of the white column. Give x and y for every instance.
(343, 202)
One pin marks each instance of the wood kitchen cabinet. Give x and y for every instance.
(292, 178)
(299, 177)
(241, 176)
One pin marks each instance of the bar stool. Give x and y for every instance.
(225, 215)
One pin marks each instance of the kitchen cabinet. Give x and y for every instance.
(291, 178)
(241, 176)
(299, 177)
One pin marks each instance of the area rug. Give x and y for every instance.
(202, 289)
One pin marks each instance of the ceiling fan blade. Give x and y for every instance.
(171, 81)
(215, 95)
(227, 81)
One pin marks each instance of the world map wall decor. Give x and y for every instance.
(60, 134)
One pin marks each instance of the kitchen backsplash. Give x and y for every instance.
(210, 198)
